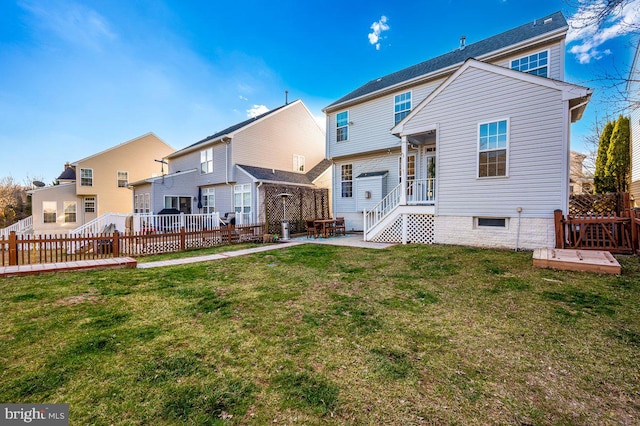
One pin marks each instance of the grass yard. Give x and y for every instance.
(316, 334)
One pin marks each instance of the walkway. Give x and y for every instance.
(351, 240)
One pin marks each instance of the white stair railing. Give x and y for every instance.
(169, 223)
(421, 191)
(97, 225)
(21, 227)
(382, 209)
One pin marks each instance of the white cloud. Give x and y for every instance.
(242, 98)
(256, 111)
(584, 31)
(75, 23)
(376, 35)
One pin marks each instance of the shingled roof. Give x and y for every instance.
(274, 175)
(476, 50)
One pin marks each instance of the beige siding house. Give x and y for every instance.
(481, 134)
(224, 172)
(96, 185)
(633, 91)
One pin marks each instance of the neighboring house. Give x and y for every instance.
(633, 92)
(225, 172)
(96, 185)
(580, 182)
(471, 147)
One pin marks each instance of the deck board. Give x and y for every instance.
(576, 260)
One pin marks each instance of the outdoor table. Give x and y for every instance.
(326, 225)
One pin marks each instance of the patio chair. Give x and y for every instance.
(313, 229)
(339, 226)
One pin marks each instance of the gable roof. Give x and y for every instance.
(570, 92)
(121, 145)
(532, 30)
(229, 131)
(280, 176)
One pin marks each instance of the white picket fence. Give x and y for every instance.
(169, 223)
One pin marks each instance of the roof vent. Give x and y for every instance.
(546, 21)
(463, 39)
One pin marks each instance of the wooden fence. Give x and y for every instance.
(614, 233)
(28, 249)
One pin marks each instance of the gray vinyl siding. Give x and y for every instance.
(535, 156)
(179, 186)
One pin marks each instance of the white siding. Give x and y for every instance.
(535, 163)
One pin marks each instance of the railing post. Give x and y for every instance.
(635, 222)
(182, 238)
(557, 220)
(13, 249)
(116, 243)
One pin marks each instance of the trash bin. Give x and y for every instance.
(285, 230)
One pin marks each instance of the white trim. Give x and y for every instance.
(118, 178)
(341, 127)
(410, 92)
(92, 177)
(548, 65)
(156, 178)
(478, 151)
(569, 91)
(208, 159)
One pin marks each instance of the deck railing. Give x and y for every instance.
(421, 191)
(22, 226)
(618, 234)
(380, 210)
(168, 223)
(99, 224)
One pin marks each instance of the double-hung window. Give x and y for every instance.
(401, 106)
(342, 126)
(70, 208)
(347, 180)
(493, 144)
(89, 204)
(208, 200)
(123, 179)
(206, 160)
(536, 64)
(242, 200)
(86, 177)
(49, 211)
(298, 163)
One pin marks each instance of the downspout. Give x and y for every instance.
(258, 202)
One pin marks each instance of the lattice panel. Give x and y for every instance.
(302, 204)
(598, 204)
(420, 229)
(391, 234)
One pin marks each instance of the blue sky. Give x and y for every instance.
(77, 77)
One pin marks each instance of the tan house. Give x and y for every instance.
(227, 171)
(95, 185)
(580, 180)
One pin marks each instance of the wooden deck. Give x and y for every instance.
(576, 260)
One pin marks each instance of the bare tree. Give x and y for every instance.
(595, 13)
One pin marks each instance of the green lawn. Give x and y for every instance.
(316, 334)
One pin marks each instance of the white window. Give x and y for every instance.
(136, 204)
(493, 142)
(208, 200)
(171, 202)
(70, 208)
(206, 161)
(49, 211)
(401, 106)
(347, 180)
(342, 126)
(90, 204)
(242, 198)
(411, 168)
(123, 179)
(86, 177)
(147, 203)
(536, 64)
(298, 163)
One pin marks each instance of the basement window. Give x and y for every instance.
(491, 222)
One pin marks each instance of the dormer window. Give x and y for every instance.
(536, 64)
(401, 106)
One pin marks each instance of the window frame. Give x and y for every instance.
(298, 163)
(346, 183)
(88, 201)
(342, 126)
(84, 179)
(44, 211)
(399, 115)
(493, 150)
(206, 161)
(410, 176)
(489, 220)
(546, 66)
(122, 183)
(208, 195)
(68, 214)
(244, 206)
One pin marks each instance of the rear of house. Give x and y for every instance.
(471, 147)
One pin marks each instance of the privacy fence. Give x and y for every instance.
(29, 249)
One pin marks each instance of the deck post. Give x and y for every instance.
(13, 249)
(635, 223)
(557, 221)
(403, 171)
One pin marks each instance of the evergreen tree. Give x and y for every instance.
(601, 182)
(618, 155)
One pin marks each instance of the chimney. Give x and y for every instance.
(462, 41)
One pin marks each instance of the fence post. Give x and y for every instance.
(635, 222)
(13, 249)
(182, 238)
(557, 220)
(116, 243)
